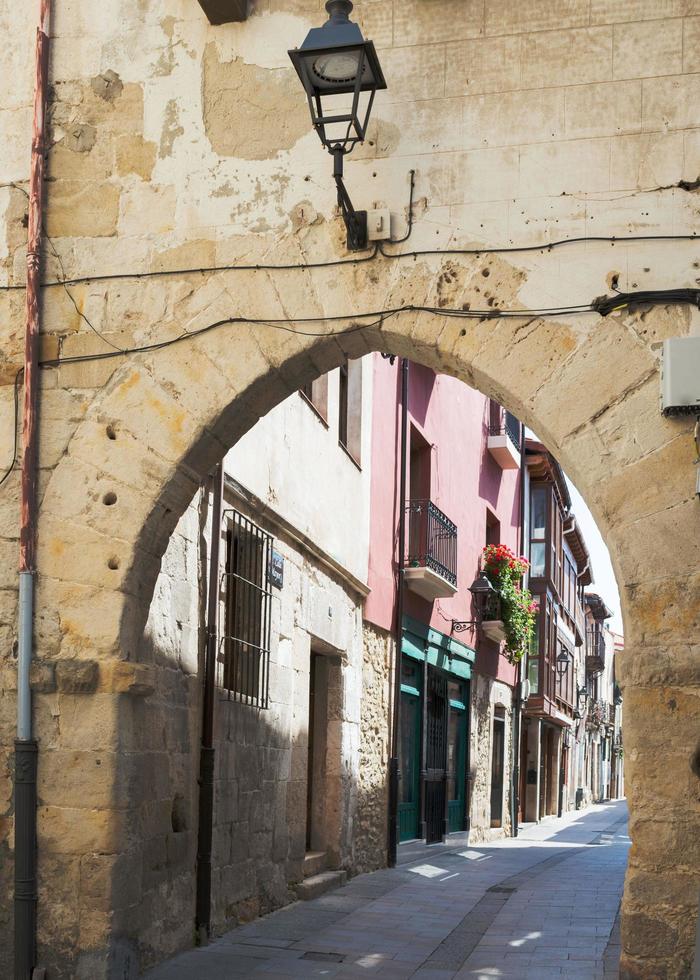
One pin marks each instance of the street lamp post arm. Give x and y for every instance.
(355, 221)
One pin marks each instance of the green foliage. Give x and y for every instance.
(504, 570)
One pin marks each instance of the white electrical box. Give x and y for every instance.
(680, 376)
(379, 225)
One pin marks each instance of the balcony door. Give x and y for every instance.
(419, 466)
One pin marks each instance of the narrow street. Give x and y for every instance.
(543, 905)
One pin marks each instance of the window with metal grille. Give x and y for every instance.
(245, 644)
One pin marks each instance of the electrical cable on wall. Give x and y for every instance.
(374, 253)
(370, 257)
(15, 426)
(603, 305)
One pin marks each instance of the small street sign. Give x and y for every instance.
(275, 570)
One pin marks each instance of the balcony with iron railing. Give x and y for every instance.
(595, 650)
(430, 568)
(504, 441)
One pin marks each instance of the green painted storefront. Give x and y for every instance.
(434, 737)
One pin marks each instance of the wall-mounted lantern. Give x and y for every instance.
(566, 738)
(581, 695)
(563, 661)
(340, 72)
(482, 591)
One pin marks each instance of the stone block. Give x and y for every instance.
(67, 778)
(82, 208)
(610, 12)
(179, 849)
(571, 167)
(645, 934)
(581, 55)
(77, 676)
(88, 721)
(109, 882)
(691, 44)
(417, 23)
(126, 677)
(319, 884)
(651, 160)
(484, 65)
(603, 109)
(76, 830)
(636, 545)
(512, 118)
(647, 486)
(665, 610)
(647, 49)
(42, 676)
(415, 73)
(669, 103)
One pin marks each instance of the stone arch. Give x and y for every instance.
(629, 463)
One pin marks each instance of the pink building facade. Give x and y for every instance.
(463, 491)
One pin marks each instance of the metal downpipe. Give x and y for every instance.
(517, 691)
(207, 751)
(25, 793)
(394, 774)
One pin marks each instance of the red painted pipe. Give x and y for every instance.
(27, 545)
(25, 797)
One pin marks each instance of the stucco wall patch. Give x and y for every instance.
(251, 112)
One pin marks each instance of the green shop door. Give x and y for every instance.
(409, 749)
(456, 756)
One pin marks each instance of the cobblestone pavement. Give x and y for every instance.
(539, 906)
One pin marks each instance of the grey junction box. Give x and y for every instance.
(680, 376)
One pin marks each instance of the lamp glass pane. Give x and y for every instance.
(337, 66)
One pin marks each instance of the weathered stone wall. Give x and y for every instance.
(486, 694)
(525, 122)
(371, 828)
(261, 774)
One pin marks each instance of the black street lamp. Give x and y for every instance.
(481, 590)
(562, 662)
(339, 70)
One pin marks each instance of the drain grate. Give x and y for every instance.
(324, 957)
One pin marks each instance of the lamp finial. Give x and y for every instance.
(338, 10)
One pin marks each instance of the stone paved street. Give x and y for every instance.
(541, 906)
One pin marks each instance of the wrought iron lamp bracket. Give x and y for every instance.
(460, 625)
(355, 221)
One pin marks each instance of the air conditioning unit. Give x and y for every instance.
(680, 377)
